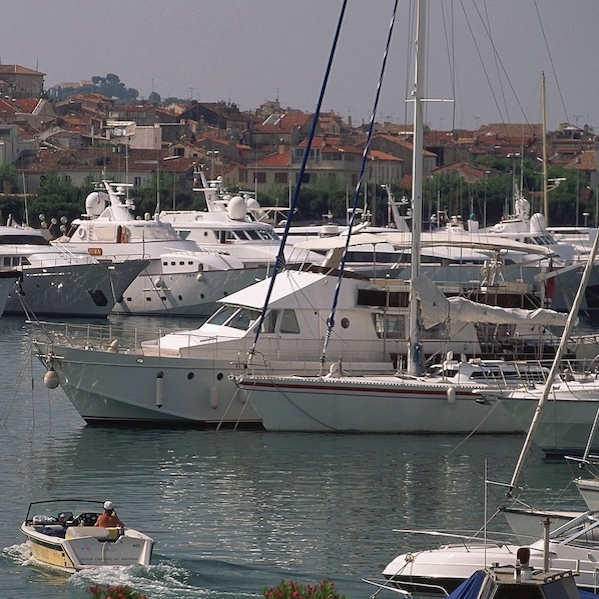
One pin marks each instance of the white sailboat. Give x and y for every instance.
(441, 401)
(407, 403)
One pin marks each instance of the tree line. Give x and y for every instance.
(571, 201)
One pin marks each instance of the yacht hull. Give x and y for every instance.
(183, 294)
(7, 283)
(118, 388)
(81, 290)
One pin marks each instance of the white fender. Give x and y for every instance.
(214, 398)
(451, 395)
(113, 348)
(51, 379)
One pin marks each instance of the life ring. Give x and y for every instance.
(81, 233)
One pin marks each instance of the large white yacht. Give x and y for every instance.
(181, 278)
(56, 282)
(233, 223)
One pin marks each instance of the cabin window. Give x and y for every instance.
(389, 326)
(243, 319)
(222, 315)
(289, 322)
(439, 331)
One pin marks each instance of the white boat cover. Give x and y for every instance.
(436, 308)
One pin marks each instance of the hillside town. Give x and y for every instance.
(86, 136)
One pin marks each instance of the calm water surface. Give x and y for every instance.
(233, 512)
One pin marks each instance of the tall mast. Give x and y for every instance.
(544, 125)
(414, 349)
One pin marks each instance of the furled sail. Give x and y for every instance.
(436, 308)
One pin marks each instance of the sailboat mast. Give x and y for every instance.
(544, 125)
(414, 348)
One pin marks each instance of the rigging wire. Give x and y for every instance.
(499, 62)
(551, 60)
(331, 318)
(280, 259)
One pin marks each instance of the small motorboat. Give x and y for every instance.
(62, 534)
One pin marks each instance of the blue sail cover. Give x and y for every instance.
(470, 588)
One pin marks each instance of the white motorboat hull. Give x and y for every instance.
(88, 547)
(78, 290)
(442, 570)
(372, 405)
(183, 294)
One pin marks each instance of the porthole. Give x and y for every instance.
(190, 375)
(345, 323)
(220, 376)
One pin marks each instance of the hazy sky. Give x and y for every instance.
(249, 51)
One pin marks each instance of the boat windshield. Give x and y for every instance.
(23, 238)
(242, 318)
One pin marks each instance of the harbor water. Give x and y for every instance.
(233, 512)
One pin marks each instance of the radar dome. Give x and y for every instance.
(253, 204)
(237, 208)
(94, 204)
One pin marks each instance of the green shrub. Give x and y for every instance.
(288, 589)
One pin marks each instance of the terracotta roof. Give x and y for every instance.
(280, 159)
(90, 159)
(378, 155)
(512, 129)
(584, 161)
(27, 105)
(10, 69)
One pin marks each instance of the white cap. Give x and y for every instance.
(108, 505)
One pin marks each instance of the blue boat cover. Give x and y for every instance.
(470, 588)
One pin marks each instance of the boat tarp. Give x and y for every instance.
(436, 308)
(470, 588)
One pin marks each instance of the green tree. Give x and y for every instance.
(8, 178)
(154, 98)
(58, 198)
(113, 87)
